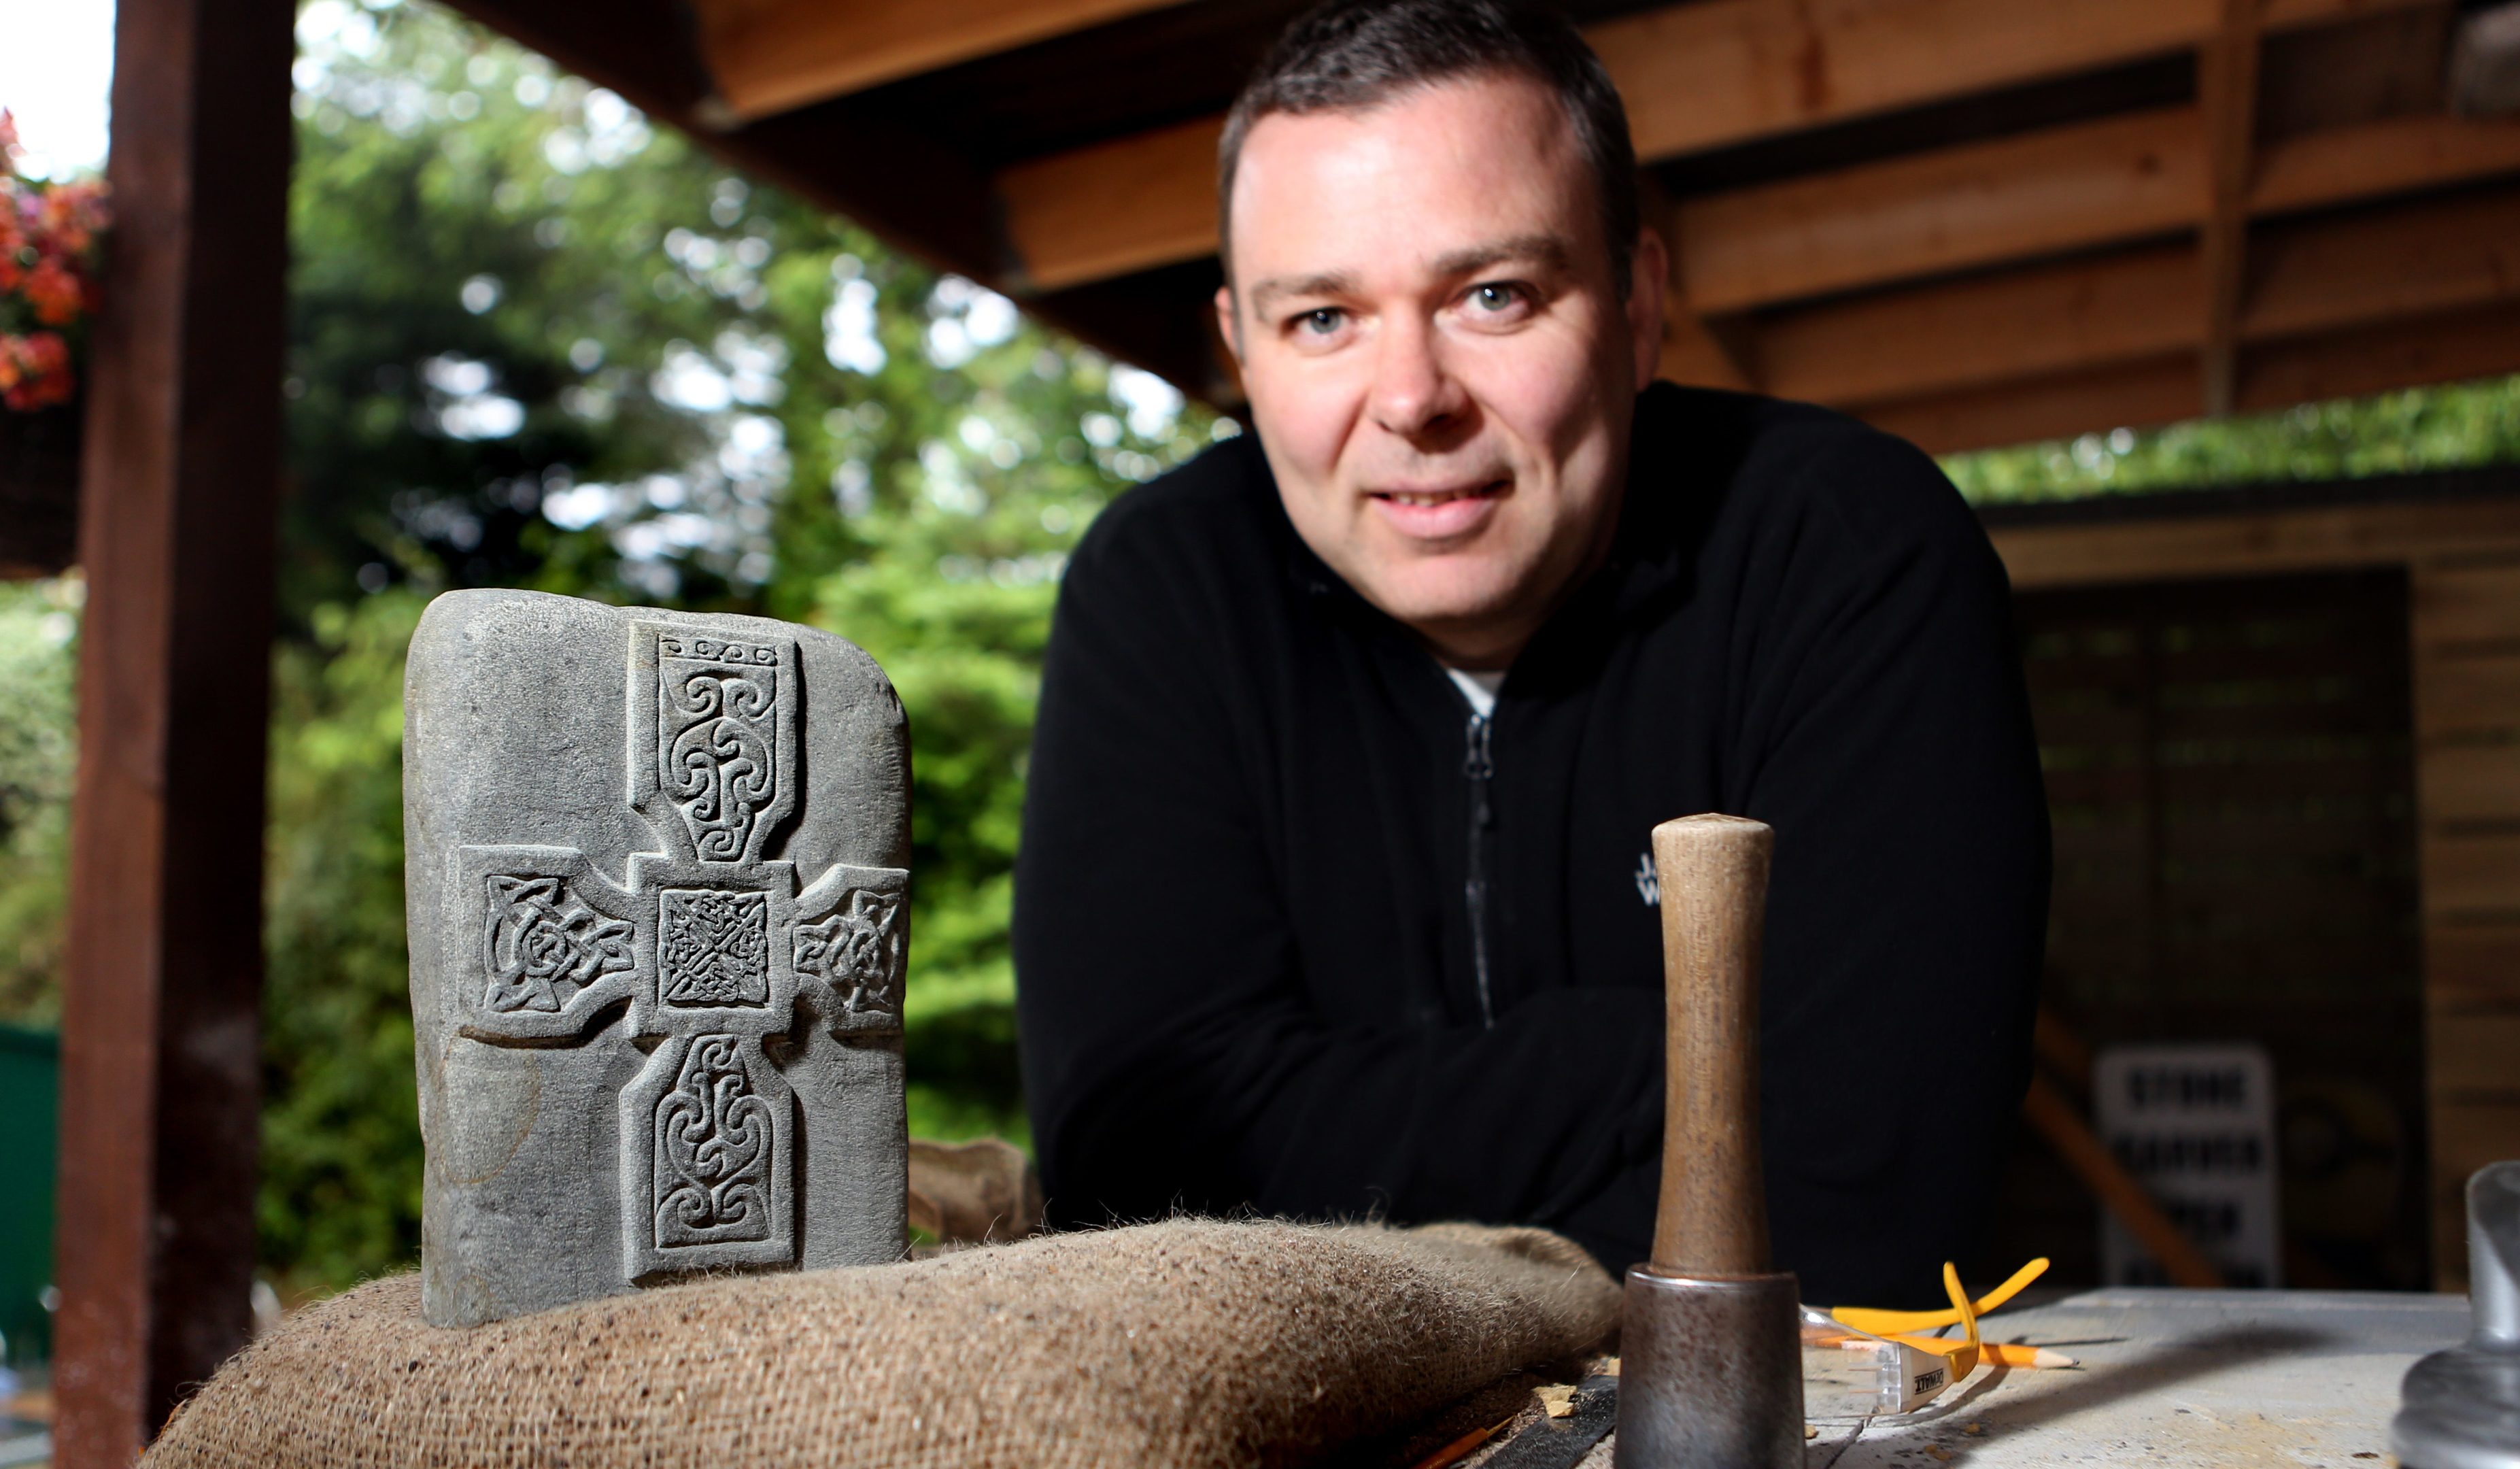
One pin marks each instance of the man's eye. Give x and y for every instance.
(1320, 321)
(1495, 297)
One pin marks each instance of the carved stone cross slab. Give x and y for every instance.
(694, 1065)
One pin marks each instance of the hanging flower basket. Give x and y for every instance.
(51, 239)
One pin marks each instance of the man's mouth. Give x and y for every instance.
(1436, 496)
(1439, 514)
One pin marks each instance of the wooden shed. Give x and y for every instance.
(1972, 221)
(2282, 730)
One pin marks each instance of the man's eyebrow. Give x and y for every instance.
(1280, 287)
(1551, 253)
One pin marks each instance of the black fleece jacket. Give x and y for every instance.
(1295, 931)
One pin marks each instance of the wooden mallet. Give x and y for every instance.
(1710, 1373)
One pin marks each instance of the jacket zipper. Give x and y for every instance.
(1480, 768)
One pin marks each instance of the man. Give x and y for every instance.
(1334, 896)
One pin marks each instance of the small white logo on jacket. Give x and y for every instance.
(1649, 882)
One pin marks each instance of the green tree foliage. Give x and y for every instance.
(341, 1163)
(536, 341)
(2393, 432)
(38, 652)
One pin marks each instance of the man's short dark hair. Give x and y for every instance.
(1347, 55)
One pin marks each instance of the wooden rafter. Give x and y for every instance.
(1695, 76)
(2133, 394)
(2467, 343)
(2312, 276)
(768, 56)
(2381, 158)
(2226, 86)
(2066, 188)
(2423, 291)
(2448, 347)
(2413, 260)
(1145, 199)
(2063, 190)
(1702, 75)
(1969, 334)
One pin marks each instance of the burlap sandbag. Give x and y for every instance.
(1194, 1342)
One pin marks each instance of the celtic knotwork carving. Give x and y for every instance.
(713, 947)
(693, 952)
(539, 938)
(855, 953)
(713, 1137)
(720, 739)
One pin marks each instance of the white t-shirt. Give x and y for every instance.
(1480, 688)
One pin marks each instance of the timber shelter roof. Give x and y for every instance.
(1972, 221)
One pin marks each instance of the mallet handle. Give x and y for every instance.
(1713, 1215)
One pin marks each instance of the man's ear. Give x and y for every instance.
(1648, 282)
(1227, 325)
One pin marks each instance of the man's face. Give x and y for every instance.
(1440, 367)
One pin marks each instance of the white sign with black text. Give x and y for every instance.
(2196, 1124)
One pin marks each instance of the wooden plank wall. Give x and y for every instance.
(2466, 631)
(2461, 558)
(2228, 773)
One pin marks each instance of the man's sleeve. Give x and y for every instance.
(1170, 1057)
(1887, 739)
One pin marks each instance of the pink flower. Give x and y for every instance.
(54, 292)
(13, 236)
(36, 370)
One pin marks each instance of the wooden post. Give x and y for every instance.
(160, 1025)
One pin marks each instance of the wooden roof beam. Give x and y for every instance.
(2312, 277)
(2227, 77)
(2382, 158)
(2467, 343)
(1695, 76)
(2062, 189)
(1132, 204)
(769, 56)
(1969, 334)
(2373, 359)
(1702, 75)
(2130, 394)
(2470, 343)
(2419, 258)
(2065, 188)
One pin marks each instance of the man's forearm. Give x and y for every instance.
(1526, 1122)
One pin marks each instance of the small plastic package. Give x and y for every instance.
(1850, 1374)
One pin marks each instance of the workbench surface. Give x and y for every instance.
(2169, 1377)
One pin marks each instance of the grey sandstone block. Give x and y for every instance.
(656, 871)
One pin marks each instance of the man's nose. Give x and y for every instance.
(1413, 394)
